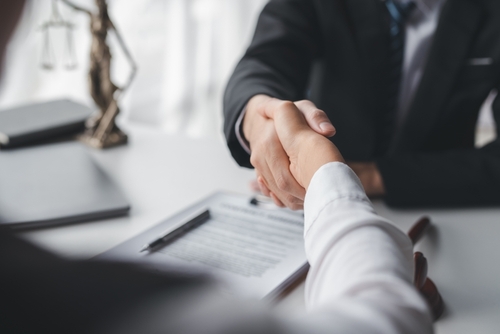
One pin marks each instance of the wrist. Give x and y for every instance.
(315, 152)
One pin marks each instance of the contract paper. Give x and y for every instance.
(256, 251)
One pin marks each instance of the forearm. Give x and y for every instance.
(361, 266)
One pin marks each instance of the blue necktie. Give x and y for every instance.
(398, 14)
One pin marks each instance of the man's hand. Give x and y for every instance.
(268, 156)
(370, 177)
(306, 149)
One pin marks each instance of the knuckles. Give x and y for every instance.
(283, 183)
(294, 203)
(256, 160)
(285, 104)
(284, 107)
(303, 103)
(296, 207)
(317, 114)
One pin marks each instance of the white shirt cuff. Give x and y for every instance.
(239, 135)
(332, 181)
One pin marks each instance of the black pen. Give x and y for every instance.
(196, 221)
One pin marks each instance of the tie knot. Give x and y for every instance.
(400, 11)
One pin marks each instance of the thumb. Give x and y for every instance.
(316, 118)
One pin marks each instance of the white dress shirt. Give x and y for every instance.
(359, 282)
(420, 28)
(361, 265)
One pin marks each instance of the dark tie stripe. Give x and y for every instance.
(398, 13)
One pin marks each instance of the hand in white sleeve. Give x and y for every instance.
(361, 265)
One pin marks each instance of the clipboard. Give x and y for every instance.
(256, 251)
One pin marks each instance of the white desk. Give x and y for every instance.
(161, 174)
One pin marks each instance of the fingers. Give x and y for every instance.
(288, 120)
(316, 118)
(276, 181)
(269, 155)
(262, 186)
(292, 118)
(266, 192)
(254, 186)
(306, 149)
(272, 166)
(284, 184)
(277, 201)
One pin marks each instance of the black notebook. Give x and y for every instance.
(32, 123)
(55, 184)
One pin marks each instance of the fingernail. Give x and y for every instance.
(326, 127)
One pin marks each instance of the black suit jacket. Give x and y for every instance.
(334, 52)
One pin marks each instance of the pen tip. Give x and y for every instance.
(143, 249)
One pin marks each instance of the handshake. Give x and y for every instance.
(289, 144)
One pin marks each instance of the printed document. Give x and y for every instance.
(257, 251)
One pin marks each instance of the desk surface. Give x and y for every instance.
(161, 174)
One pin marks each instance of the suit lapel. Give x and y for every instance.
(456, 29)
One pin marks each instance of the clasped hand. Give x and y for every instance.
(289, 143)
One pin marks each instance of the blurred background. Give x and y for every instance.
(185, 51)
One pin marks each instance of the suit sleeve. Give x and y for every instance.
(455, 178)
(277, 63)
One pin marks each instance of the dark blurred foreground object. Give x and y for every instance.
(55, 184)
(423, 283)
(34, 123)
(41, 293)
(101, 130)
